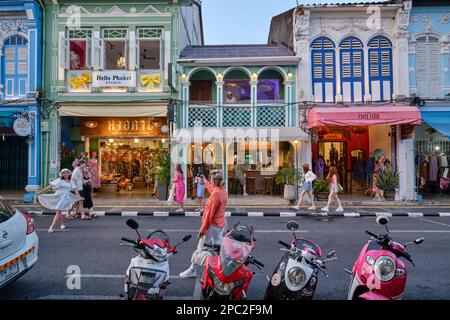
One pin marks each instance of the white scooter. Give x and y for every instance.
(148, 275)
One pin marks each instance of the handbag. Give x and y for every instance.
(340, 189)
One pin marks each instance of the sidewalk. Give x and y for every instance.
(257, 201)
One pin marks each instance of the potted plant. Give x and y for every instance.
(290, 178)
(388, 180)
(163, 175)
(321, 188)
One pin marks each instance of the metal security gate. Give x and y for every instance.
(13, 163)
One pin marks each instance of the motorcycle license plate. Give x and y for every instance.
(9, 272)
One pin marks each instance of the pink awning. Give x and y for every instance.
(363, 116)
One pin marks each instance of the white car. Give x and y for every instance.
(18, 244)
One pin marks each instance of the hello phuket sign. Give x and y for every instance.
(114, 78)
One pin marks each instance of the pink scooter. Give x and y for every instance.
(379, 273)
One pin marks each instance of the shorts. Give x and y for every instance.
(200, 190)
(307, 186)
(333, 188)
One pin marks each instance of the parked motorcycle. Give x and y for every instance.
(295, 277)
(226, 276)
(147, 276)
(379, 272)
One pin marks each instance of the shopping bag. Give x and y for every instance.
(200, 254)
(171, 197)
(340, 189)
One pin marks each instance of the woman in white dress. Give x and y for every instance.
(63, 199)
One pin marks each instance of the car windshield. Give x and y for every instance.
(6, 211)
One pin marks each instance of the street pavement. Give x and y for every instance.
(94, 247)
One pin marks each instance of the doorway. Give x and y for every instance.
(335, 155)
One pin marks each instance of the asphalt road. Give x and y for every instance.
(94, 247)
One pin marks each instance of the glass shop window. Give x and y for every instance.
(116, 49)
(237, 92)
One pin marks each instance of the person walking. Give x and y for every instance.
(77, 180)
(333, 175)
(178, 180)
(62, 200)
(213, 220)
(308, 178)
(87, 192)
(378, 169)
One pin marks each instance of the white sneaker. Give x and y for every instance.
(295, 207)
(245, 194)
(325, 209)
(340, 209)
(312, 208)
(188, 273)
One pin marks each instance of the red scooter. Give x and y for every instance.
(379, 272)
(226, 276)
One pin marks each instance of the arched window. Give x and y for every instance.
(380, 68)
(15, 67)
(323, 70)
(428, 67)
(352, 69)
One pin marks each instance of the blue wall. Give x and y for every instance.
(436, 21)
(29, 27)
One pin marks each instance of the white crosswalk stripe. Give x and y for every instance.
(444, 214)
(192, 214)
(385, 214)
(255, 214)
(287, 214)
(161, 214)
(129, 213)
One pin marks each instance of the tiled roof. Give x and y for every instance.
(234, 51)
(350, 4)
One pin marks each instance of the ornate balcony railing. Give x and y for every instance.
(237, 116)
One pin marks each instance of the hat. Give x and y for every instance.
(229, 92)
(64, 170)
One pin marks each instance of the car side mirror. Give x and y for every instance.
(419, 240)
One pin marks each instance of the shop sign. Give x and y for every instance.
(22, 127)
(132, 127)
(368, 116)
(332, 136)
(114, 78)
(240, 139)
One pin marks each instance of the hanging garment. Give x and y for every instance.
(443, 161)
(433, 169)
(95, 179)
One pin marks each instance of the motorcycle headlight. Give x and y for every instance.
(157, 252)
(223, 288)
(297, 277)
(384, 268)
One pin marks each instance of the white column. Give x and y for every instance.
(185, 104)
(367, 96)
(292, 110)
(254, 101)
(405, 167)
(339, 98)
(219, 104)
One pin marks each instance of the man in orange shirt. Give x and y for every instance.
(213, 221)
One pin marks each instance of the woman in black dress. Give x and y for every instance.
(87, 192)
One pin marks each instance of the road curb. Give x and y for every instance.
(254, 214)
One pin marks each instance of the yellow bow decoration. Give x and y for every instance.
(151, 81)
(81, 81)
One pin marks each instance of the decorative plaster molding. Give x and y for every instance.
(402, 27)
(445, 18)
(13, 26)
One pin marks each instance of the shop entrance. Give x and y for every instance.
(121, 152)
(334, 154)
(14, 162)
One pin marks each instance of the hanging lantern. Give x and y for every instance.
(359, 130)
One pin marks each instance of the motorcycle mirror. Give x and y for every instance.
(292, 225)
(419, 240)
(132, 224)
(383, 220)
(187, 237)
(331, 254)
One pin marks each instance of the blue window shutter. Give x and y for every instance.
(380, 68)
(15, 67)
(352, 69)
(323, 69)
